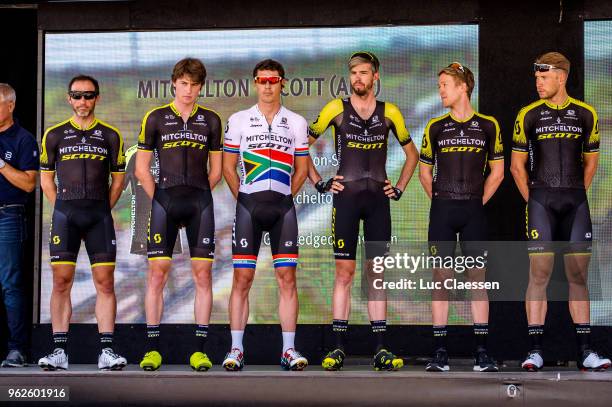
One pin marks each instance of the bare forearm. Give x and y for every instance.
(232, 179)
(49, 189)
(114, 192)
(19, 179)
(491, 184)
(426, 178)
(521, 179)
(297, 181)
(313, 174)
(406, 174)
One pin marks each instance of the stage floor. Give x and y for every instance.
(357, 384)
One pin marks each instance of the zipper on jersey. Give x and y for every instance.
(84, 161)
(270, 152)
(184, 181)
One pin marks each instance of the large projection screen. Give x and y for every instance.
(134, 68)
(598, 93)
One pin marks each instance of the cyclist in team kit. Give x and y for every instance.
(362, 191)
(187, 137)
(269, 143)
(555, 152)
(82, 152)
(455, 151)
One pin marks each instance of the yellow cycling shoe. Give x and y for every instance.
(151, 361)
(200, 362)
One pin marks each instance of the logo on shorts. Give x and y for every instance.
(587, 235)
(113, 242)
(8, 155)
(206, 240)
(288, 243)
(244, 243)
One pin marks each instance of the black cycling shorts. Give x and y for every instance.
(559, 214)
(268, 211)
(82, 219)
(361, 200)
(449, 217)
(176, 207)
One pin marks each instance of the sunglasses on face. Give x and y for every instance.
(544, 67)
(88, 95)
(272, 80)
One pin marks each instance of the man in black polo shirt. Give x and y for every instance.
(18, 171)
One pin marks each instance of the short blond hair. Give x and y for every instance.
(555, 59)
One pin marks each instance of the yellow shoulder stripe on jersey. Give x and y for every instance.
(44, 158)
(519, 136)
(327, 114)
(499, 147)
(594, 136)
(393, 113)
(426, 149)
(141, 136)
(121, 154)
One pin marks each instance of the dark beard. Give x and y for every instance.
(361, 92)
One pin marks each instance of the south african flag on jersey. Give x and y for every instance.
(267, 164)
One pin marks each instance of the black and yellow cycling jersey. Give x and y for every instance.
(182, 147)
(459, 150)
(556, 137)
(82, 158)
(361, 144)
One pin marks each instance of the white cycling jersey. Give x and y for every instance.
(266, 150)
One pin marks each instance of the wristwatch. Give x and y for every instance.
(2, 163)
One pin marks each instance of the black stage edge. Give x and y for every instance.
(356, 385)
(263, 342)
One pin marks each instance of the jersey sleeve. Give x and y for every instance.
(148, 131)
(398, 125)
(28, 154)
(591, 139)
(117, 155)
(496, 147)
(216, 143)
(231, 140)
(519, 138)
(426, 155)
(301, 137)
(48, 155)
(325, 118)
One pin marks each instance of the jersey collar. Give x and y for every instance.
(76, 126)
(175, 110)
(264, 116)
(462, 121)
(559, 107)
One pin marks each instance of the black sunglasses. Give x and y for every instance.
(367, 55)
(88, 95)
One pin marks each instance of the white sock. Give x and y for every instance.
(237, 340)
(288, 341)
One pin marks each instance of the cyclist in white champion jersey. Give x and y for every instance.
(270, 145)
